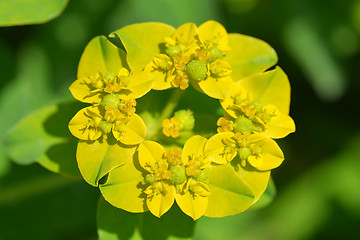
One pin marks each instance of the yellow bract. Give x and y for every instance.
(172, 175)
(214, 177)
(253, 105)
(259, 151)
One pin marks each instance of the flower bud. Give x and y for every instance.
(186, 118)
(178, 174)
(196, 70)
(243, 124)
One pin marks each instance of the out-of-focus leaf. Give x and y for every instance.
(4, 161)
(267, 197)
(32, 197)
(311, 53)
(173, 12)
(24, 92)
(43, 136)
(117, 224)
(30, 88)
(23, 12)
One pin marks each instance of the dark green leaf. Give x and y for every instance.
(117, 224)
(43, 136)
(20, 12)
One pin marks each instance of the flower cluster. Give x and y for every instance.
(141, 167)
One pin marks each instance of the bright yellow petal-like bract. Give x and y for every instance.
(133, 132)
(215, 177)
(124, 188)
(194, 147)
(212, 33)
(97, 158)
(248, 56)
(160, 202)
(150, 153)
(142, 42)
(268, 157)
(264, 100)
(271, 87)
(229, 194)
(221, 148)
(85, 124)
(259, 151)
(101, 56)
(194, 207)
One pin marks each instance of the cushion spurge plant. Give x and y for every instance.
(147, 157)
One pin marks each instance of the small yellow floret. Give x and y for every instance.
(171, 127)
(173, 156)
(224, 125)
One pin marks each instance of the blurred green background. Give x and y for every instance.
(318, 44)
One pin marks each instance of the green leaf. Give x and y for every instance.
(20, 12)
(4, 161)
(314, 57)
(267, 197)
(42, 198)
(26, 91)
(173, 12)
(43, 136)
(97, 158)
(117, 224)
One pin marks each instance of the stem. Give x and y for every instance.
(171, 105)
(168, 110)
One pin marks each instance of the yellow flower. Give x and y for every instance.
(261, 152)
(168, 69)
(206, 56)
(260, 103)
(158, 177)
(102, 71)
(112, 89)
(109, 130)
(171, 127)
(224, 125)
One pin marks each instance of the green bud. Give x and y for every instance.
(196, 70)
(149, 179)
(110, 99)
(244, 152)
(186, 119)
(109, 76)
(215, 53)
(178, 174)
(105, 126)
(203, 176)
(172, 50)
(243, 124)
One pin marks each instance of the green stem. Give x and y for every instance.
(167, 111)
